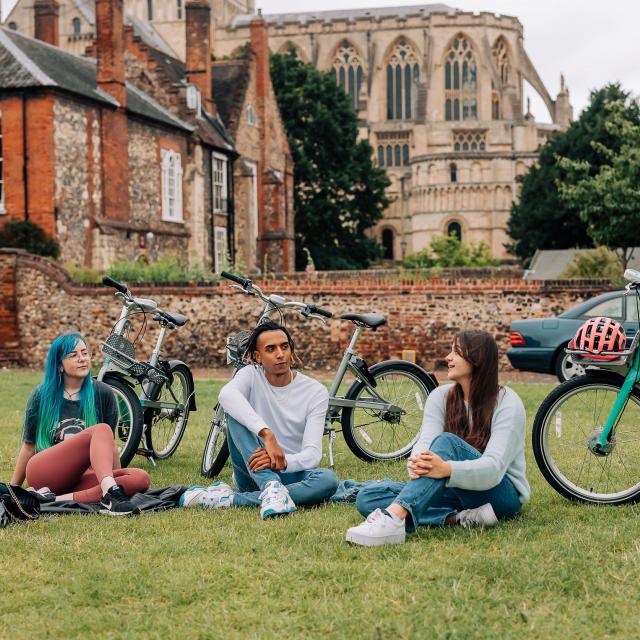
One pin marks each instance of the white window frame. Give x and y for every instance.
(251, 116)
(171, 186)
(219, 183)
(219, 248)
(3, 211)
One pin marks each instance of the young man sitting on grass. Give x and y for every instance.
(275, 423)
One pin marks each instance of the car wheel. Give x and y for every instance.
(566, 368)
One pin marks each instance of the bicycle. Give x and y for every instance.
(586, 433)
(157, 415)
(381, 412)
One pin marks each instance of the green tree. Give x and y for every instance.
(22, 234)
(338, 193)
(542, 219)
(607, 197)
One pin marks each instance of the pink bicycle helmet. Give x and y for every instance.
(598, 337)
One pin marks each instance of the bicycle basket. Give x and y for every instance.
(236, 346)
(120, 350)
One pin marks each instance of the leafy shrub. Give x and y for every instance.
(21, 234)
(595, 264)
(448, 251)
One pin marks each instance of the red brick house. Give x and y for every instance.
(110, 167)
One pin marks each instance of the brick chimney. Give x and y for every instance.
(114, 125)
(46, 19)
(198, 49)
(110, 74)
(260, 48)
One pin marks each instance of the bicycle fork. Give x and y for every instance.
(601, 445)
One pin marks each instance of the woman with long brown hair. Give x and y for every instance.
(468, 465)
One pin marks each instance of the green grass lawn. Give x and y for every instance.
(560, 570)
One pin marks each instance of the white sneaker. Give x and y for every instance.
(483, 516)
(377, 529)
(215, 496)
(276, 500)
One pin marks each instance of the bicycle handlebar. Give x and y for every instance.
(110, 282)
(243, 282)
(319, 311)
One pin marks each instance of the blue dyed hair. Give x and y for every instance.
(51, 392)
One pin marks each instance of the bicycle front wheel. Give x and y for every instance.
(165, 427)
(128, 431)
(216, 451)
(569, 420)
(380, 434)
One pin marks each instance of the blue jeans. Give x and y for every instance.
(309, 487)
(429, 501)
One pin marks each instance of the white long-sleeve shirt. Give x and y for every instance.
(503, 455)
(295, 413)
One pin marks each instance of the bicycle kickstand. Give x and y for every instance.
(332, 437)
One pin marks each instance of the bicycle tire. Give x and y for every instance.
(128, 431)
(404, 384)
(164, 428)
(571, 414)
(216, 450)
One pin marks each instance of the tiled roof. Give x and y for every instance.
(230, 82)
(27, 62)
(345, 14)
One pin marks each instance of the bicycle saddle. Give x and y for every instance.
(174, 318)
(372, 320)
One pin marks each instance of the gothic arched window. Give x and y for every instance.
(460, 81)
(380, 156)
(405, 154)
(453, 172)
(403, 76)
(387, 244)
(76, 26)
(454, 229)
(501, 58)
(349, 71)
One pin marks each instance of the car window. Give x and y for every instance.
(610, 308)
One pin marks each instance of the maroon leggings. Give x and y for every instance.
(79, 464)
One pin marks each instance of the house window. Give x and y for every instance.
(179, 9)
(13, 26)
(349, 74)
(2, 209)
(219, 183)
(460, 81)
(403, 76)
(220, 248)
(76, 26)
(171, 186)
(149, 10)
(251, 115)
(453, 172)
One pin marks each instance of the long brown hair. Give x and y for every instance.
(480, 350)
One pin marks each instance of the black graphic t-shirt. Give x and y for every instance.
(71, 420)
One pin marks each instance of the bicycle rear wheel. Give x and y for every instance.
(165, 427)
(128, 431)
(374, 434)
(216, 450)
(571, 416)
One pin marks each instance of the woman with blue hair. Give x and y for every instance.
(68, 447)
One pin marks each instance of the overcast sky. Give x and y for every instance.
(590, 42)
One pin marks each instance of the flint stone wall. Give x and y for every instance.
(422, 313)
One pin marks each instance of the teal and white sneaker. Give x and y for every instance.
(276, 500)
(215, 496)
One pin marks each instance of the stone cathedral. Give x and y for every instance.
(438, 93)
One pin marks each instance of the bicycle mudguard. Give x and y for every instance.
(192, 399)
(116, 376)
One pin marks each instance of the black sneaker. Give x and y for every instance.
(116, 503)
(43, 495)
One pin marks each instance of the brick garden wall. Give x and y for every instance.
(422, 314)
